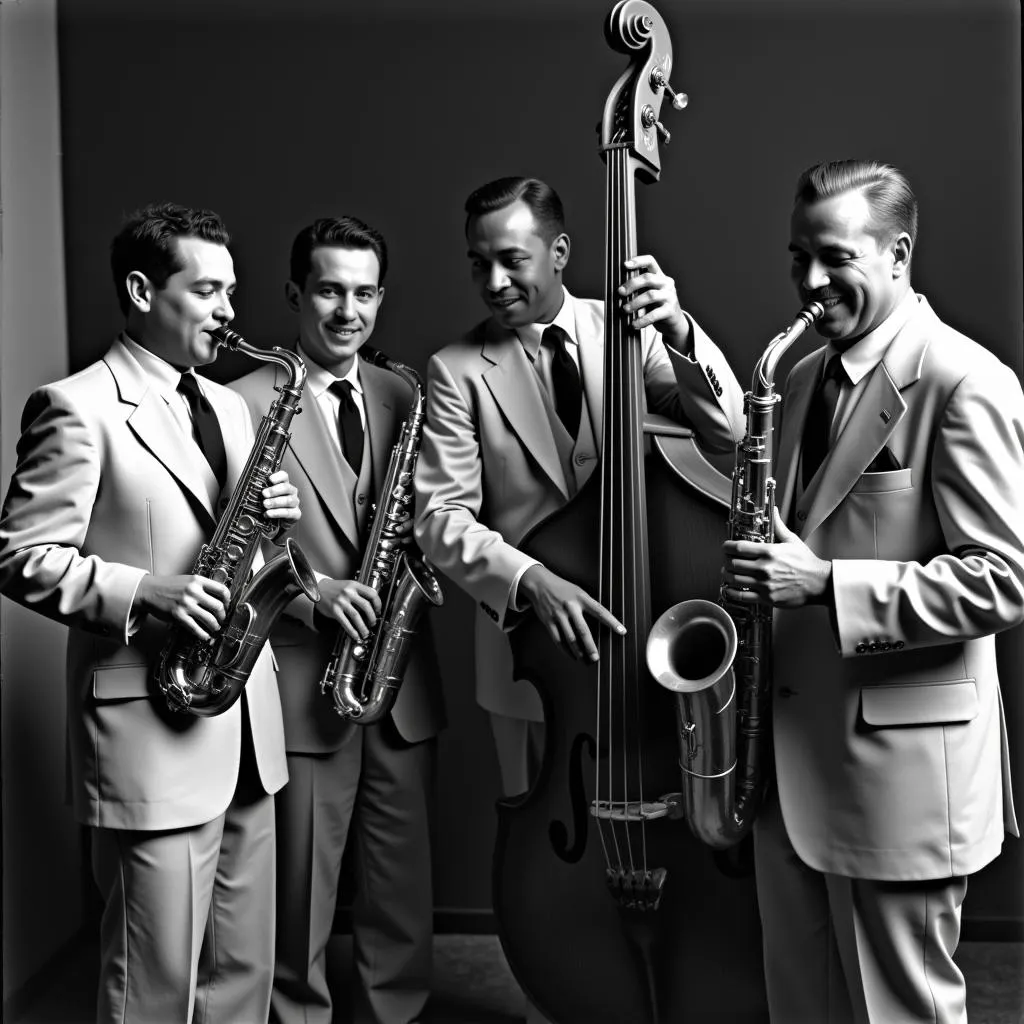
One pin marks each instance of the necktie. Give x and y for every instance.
(350, 425)
(565, 380)
(822, 410)
(205, 428)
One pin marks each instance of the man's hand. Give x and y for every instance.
(560, 606)
(654, 293)
(194, 602)
(281, 499)
(786, 574)
(353, 605)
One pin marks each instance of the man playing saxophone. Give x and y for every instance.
(898, 553)
(122, 471)
(368, 785)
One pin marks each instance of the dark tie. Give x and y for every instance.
(822, 410)
(565, 380)
(350, 425)
(205, 428)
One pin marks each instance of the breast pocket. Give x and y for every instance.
(941, 703)
(878, 483)
(121, 682)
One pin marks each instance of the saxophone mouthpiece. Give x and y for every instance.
(812, 312)
(227, 337)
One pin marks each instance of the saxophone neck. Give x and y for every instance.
(763, 384)
(290, 361)
(377, 358)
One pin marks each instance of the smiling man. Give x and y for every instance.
(364, 785)
(120, 477)
(510, 435)
(900, 471)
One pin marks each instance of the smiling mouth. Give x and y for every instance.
(504, 301)
(342, 332)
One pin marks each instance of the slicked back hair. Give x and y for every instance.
(146, 242)
(539, 196)
(340, 232)
(886, 188)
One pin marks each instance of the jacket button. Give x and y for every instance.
(861, 648)
(580, 458)
(874, 645)
(886, 646)
(899, 645)
(360, 499)
(801, 515)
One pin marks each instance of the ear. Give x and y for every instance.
(292, 295)
(901, 250)
(380, 298)
(140, 291)
(560, 250)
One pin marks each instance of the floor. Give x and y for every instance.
(473, 984)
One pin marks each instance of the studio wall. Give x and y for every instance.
(275, 114)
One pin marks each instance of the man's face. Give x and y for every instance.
(176, 319)
(337, 304)
(518, 274)
(839, 262)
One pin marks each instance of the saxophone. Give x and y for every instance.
(716, 658)
(205, 677)
(364, 676)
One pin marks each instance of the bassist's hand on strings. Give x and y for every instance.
(560, 605)
(651, 294)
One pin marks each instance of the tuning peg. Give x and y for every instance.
(649, 120)
(659, 81)
(666, 135)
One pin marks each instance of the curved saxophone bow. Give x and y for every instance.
(716, 658)
(205, 678)
(364, 677)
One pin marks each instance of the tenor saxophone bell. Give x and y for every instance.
(716, 658)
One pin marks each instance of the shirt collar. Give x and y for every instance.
(319, 379)
(530, 335)
(163, 377)
(863, 356)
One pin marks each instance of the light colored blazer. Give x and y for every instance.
(888, 723)
(329, 536)
(489, 469)
(104, 492)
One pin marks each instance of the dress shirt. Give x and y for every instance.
(531, 335)
(318, 383)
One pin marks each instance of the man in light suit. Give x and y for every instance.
(369, 785)
(901, 470)
(109, 504)
(498, 457)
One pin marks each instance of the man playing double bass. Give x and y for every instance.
(514, 412)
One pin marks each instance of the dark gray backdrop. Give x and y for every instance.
(274, 113)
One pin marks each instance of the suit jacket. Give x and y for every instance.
(888, 722)
(329, 536)
(103, 493)
(489, 469)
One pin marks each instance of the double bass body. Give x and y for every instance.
(609, 910)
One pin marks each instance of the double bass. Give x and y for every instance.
(609, 911)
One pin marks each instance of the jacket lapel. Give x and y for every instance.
(510, 381)
(590, 346)
(871, 424)
(381, 418)
(155, 427)
(328, 473)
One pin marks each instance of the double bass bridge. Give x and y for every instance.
(668, 806)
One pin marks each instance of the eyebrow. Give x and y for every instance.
(510, 251)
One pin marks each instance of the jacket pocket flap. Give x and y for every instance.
(890, 480)
(121, 682)
(920, 703)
